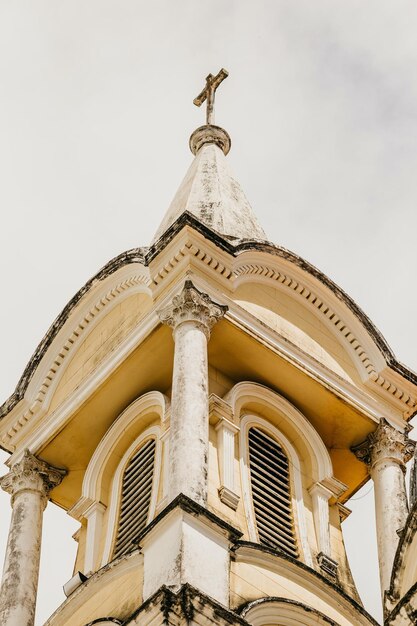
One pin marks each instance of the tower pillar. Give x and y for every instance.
(29, 483)
(192, 315)
(386, 451)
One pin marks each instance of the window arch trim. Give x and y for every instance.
(296, 486)
(286, 612)
(90, 505)
(245, 392)
(153, 432)
(151, 402)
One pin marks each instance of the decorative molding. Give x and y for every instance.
(152, 432)
(219, 410)
(56, 419)
(136, 256)
(232, 273)
(327, 566)
(153, 401)
(262, 270)
(31, 474)
(344, 511)
(335, 486)
(228, 497)
(296, 483)
(191, 305)
(191, 248)
(289, 612)
(244, 392)
(320, 497)
(311, 580)
(67, 348)
(187, 238)
(226, 432)
(385, 443)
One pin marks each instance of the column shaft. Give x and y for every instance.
(21, 564)
(191, 314)
(189, 430)
(29, 483)
(391, 510)
(386, 451)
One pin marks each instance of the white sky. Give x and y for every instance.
(95, 115)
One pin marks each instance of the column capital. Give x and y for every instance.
(385, 443)
(31, 474)
(191, 305)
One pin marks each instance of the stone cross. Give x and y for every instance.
(212, 82)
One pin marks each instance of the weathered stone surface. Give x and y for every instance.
(187, 606)
(29, 483)
(386, 452)
(192, 314)
(211, 193)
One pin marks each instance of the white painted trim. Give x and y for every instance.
(306, 580)
(285, 613)
(97, 302)
(363, 397)
(47, 425)
(320, 498)
(226, 432)
(94, 516)
(247, 422)
(103, 581)
(263, 268)
(150, 433)
(151, 401)
(165, 468)
(246, 391)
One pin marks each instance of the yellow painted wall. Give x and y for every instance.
(99, 342)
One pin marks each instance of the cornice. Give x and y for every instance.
(319, 617)
(48, 377)
(136, 255)
(406, 539)
(264, 556)
(47, 424)
(238, 267)
(232, 261)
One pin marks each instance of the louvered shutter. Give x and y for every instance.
(136, 497)
(270, 482)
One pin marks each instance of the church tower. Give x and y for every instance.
(205, 407)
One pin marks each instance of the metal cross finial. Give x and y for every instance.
(212, 82)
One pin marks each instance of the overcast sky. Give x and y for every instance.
(95, 114)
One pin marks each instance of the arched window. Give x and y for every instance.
(271, 492)
(135, 498)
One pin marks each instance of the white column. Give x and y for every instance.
(226, 432)
(29, 483)
(192, 314)
(320, 497)
(94, 516)
(386, 452)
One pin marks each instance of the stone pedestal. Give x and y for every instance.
(192, 314)
(29, 483)
(386, 452)
(187, 544)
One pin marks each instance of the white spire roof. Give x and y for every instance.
(211, 193)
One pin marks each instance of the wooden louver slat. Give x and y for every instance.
(135, 498)
(271, 496)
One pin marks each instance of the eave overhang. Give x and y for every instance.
(395, 380)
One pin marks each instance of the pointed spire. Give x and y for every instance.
(209, 191)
